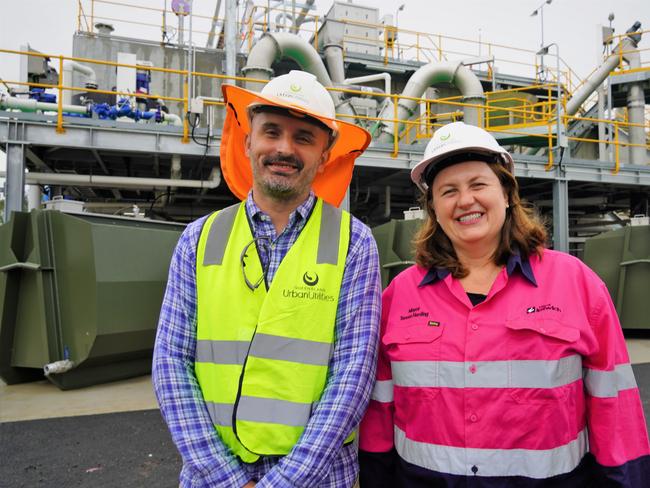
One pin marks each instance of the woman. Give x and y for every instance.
(501, 363)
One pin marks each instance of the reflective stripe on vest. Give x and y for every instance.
(538, 464)
(262, 356)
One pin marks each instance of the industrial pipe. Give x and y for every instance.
(301, 16)
(230, 37)
(625, 48)
(429, 74)
(375, 77)
(31, 105)
(334, 60)
(173, 119)
(118, 181)
(636, 113)
(69, 67)
(277, 45)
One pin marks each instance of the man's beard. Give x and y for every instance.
(276, 186)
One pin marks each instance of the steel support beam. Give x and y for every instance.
(561, 215)
(15, 183)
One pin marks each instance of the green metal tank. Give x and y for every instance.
(394, 242)
(80, 296)
(622, 259)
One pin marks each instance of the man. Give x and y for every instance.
(266, 345)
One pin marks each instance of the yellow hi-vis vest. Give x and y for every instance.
(262, 355)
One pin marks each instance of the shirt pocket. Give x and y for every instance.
(543, 362)
(414, 352)
(413, 343)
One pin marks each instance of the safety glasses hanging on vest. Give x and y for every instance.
(264, 262)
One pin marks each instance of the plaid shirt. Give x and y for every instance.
(317, 460)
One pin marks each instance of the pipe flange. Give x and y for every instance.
(473, 97)
(410, 111)
(247, 69)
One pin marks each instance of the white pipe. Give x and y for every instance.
(31, 105)
(69, 67)
(58, 367)
(636, 113)
(175, 172)
(387, 205)
(34, 196)
(334, 60)
(173, 119)
(118, 181)
(230, 37)
(375, 77)
(455, 73)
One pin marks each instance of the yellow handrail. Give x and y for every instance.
(533, 114)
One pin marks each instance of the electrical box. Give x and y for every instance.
(357, 24)
(196, 106)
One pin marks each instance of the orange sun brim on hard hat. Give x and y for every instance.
(330, 184)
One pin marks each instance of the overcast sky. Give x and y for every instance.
(48, 25)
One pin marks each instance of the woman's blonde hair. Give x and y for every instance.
(523, 231)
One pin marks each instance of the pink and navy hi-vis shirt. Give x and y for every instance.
(531, 387)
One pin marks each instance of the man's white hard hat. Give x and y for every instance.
(455, 143)
(302, 91)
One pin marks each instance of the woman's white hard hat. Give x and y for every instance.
(449, 143)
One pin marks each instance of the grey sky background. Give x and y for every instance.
(48, 26)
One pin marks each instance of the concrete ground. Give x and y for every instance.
(113, 435)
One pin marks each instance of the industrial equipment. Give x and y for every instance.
(80, 295)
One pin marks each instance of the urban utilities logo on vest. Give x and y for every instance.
(308, 289)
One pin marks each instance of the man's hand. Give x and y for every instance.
(250, 484)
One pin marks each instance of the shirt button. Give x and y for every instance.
(474, 327)
(474, 469)
(473, 418)
(472, 368)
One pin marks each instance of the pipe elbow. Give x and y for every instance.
(263, 54)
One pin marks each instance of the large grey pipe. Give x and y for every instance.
(301, 16)
(430, 74)
(593, 82)
(625, 48)
(334, 60)
(277, 45)
(636, 110)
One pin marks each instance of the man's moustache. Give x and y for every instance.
(291, 160)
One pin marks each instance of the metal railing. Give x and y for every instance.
(512, 112)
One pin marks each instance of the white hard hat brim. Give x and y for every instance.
(419, 169)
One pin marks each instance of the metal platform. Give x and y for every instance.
(100, 147)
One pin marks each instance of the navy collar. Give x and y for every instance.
(515, 262)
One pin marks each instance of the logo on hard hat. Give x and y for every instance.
(295, 88)
(309, 280)
(444, 138)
